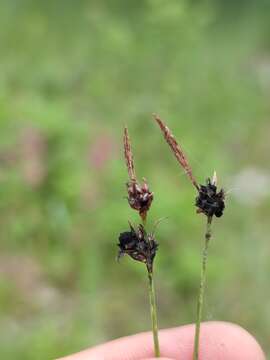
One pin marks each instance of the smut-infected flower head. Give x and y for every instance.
(139, 195)
(209, 201)
(139, 245)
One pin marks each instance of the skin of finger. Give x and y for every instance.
(219, 341)
(160, 358)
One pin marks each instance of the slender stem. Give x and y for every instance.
(144, 221)
(152, 298)
(153, 308)
(202, 288)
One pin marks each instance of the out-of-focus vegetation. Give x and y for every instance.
(72, 74)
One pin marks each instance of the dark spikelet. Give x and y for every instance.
(176, 149)
(209, 201)
(129, 156)
(139, 245)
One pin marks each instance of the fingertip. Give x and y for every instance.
(218, 340)
(160, 358)
(240, 341)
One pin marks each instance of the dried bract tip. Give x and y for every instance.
(129, 156)
(139, 197)
(214, 178)
(209, 201)
(176, 149)
(139, 245)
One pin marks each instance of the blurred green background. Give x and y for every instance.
(72, 74)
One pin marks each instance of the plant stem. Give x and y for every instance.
(153, 309)
(153, 304)
(202, 288)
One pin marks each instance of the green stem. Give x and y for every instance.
(202, 288)
(153, 308)
(152, 298)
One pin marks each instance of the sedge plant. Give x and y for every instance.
(137, 242)
(209, 202)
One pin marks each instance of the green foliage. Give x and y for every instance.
(72, 74)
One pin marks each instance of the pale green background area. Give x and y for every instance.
(72, 74)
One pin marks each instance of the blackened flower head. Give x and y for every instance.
(209, 201)
(139, 245)
(139, 197)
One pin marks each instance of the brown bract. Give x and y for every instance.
(176, 149)
(129, 156)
